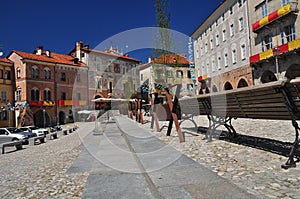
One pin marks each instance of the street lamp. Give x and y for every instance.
(1, 52)
(276, 53)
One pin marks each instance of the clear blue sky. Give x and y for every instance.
(57, 25)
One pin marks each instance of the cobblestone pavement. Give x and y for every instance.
(253, 169)
(40, 171)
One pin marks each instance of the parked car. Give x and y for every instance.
(27, 134)
(34, 129)
(7, 136)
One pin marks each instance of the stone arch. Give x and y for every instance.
(228, 86)
(293, 71)
(268, 76)
(61, 117)
(242, 83)
(214, 89)
(97, 104)
(41, 119)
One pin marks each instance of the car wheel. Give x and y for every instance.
(15, 139)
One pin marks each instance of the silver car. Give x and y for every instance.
(7, 136)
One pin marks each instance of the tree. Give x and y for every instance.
(163, 18)
(163, 43)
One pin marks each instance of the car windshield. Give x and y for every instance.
(14, 130)
(33, 127)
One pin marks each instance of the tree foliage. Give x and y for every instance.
(163, 21)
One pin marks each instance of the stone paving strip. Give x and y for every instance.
(257, 171)
(40, 171)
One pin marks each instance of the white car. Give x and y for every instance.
(7, 136)
(34, 129)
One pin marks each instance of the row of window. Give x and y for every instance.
(230, 11)
(264, 7)
(160, 73)
(212, 66)
(217, 41)
(287, 34)
(35, 95)
(47, 74)
(117, 68)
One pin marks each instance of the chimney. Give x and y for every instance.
(149, 59)
(48, 53)
(86, 46)
(39, 50)
(76, 61)
(78, 49)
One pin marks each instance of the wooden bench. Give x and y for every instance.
(34, 139)
(51, 136)
(278, 100)
(17, 144)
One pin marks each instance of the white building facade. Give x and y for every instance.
(222, 47)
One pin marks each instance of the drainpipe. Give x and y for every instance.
(55, 94)
(249, 37)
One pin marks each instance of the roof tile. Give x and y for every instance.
(53, 58)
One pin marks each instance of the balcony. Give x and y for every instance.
(288, 8)
(72, 102)
(290, 46)
(41, 103)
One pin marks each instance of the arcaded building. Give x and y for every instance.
(222, 48)
(275, 41)
(112, 74)
(44, 82)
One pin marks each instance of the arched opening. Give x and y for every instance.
(228, 86)
(293, 71)
(97, 104)
(42, 118)
(242, 83)
(268, 76)
(204, 88)
(61, 117)
(214, 89)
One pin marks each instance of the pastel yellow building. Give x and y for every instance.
(6, 93)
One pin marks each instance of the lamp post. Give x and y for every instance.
(276, 53)
(8, 110)
(44, 117)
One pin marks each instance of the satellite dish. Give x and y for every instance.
(1, 53)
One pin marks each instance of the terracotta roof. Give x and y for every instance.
(110, 54)
(4, 59)
(171, 59)
(54, 58)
